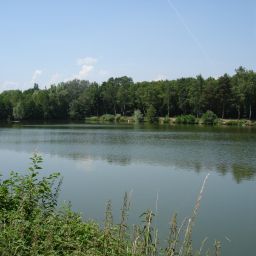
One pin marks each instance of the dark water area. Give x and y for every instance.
(159, 165)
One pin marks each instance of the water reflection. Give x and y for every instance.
(243, 172)
(102, 162)
(198, 149)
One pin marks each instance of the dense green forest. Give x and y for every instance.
(228, 97)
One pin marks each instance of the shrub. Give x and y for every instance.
(107, 118)
(118, 117)
(138, 117)
(186, 119)
(232, 122)
(209, 118)
(164, 120)
(92, 119)
(151, 114)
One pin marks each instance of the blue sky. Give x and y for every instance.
(49, 41)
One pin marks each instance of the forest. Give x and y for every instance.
(226, 96)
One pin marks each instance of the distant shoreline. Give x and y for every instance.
(130, 120)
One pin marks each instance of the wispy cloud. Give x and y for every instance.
(85, 71)
(86, 64)
(37, 73)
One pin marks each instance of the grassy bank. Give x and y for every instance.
(32, 223)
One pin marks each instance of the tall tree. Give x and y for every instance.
(238, 90)
(195, 95)
(224, 93)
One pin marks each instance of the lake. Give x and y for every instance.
(162, 167)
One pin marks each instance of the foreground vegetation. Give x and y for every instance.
(32, 224)
(232, 97)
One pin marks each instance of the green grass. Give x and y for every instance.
(31, 223)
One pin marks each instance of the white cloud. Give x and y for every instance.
(85, 71)
(37, 73)
(87, 65)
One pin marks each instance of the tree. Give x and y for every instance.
(109, 95)
(183, 85)
(250, 93)
(169, 94)
(36, 87)
(151, 114)
(238, 89)
(209, 95)
(209, 117)
(227, 96)
(195, 95)
(18, 111)
(41, 100)
(123, 96)
(223, 93)
(138, 117)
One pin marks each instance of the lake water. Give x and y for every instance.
(101, 162)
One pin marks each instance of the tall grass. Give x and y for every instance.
(31, 223)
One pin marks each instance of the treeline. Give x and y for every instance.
(228, 97)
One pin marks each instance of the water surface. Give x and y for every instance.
(101, 162)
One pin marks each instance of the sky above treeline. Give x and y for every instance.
(48, 41)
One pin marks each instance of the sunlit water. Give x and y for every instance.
(163, 167)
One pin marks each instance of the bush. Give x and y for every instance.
(118, 117)
(107, 118)
(232, 122)
(164, 120)
(31, 224)
(138, 117)
(151, 114)
(92, 119)
(186, 119)
(209, 118)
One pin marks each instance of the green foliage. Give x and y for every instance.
(164, 120)
(151, 114)
(118, 117)
(18, 111)
(209, 118)
(107, 118)
(138, 117)
(186, 119)
(228, 97)
(233, 122)
(74, 110)
(31, 224)
(28, 193)
(93, 119)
